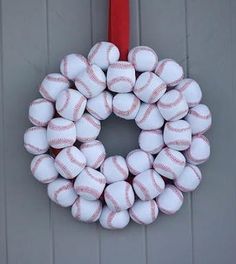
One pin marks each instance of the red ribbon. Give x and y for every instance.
(118, 31)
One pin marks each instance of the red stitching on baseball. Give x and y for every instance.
(92, 112)
(179, 142)
(108, 196)
(39, 101)
(94, 52)
(85, 86)
(156, 93)
(198, 175)
(153, 209)
(164, 168)
(180, 114)
(66, 102)
(37, 122)
(38, 161)
(120, 79)
(172, 104)
(64, 169)
(107, 106)
(185, 86)
(97, 179)
(108, 53)
(127, 188)
(90, 144)
(86, 189)
(123, 172)
(96, 214)
(146, 113)
(62, 188)
(65, 64)
(136, 50)
(73, 159)
(140, 89)
(57, 79)
(157, 187)
(99, 160)
(92, 121)
(135, 217)
(77, 107)
(82, 58)
(45, 93)
(77, 204)
(196, 114)
(182, 188)
(175, 129)
(176, 81)
(53, 126)
(59, 141)
(143, 189)
(34, 148)
(173, 158)
(127, 112)
(121, 65)
(160, 67)
(93, 77)
(176, 191)
(110, 217)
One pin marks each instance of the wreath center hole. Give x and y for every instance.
(119, 136)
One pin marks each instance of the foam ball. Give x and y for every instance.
(103, 54)
(87, 128)
(149, 88)
(149, 117)
(126, 105)
(151, 141)
(139, 161)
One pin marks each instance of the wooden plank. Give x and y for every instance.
(212, 62)
(70, 31)
(126, 245)
(24, 59)
(3, 234)
(168, 240)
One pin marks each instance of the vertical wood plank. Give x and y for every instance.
(24, 59)
(163, 28)
(212, 62)
(128, 245)
(3, 234)
(69, 25)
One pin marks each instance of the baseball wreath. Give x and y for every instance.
(165, 106)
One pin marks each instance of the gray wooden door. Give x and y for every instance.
(35, 35)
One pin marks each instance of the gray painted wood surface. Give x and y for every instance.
(35, 35)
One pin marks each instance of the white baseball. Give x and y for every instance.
(119, 196)
(94, 153)
(170, 72)
(72, 64)
(100, 106)
(170, 200)
(91, 81)
(143, 58)
(115, 169)
(70, 104)
(41, 111)
(169, 163)
(149, 87)
(199, 118)
(61, 133)
(90, 184)
(52, 85)
(126, 105)
(114, 220)
(189, 179)
(35, 140)
(191, 91)
(87, 128)
(149, 117)
(86, 211)
(151, 141)
(148, 185)
(61, 191)
(70, 162)
(139, 161)
(103, 54)
(173, 106)
(144, 212)
(199, 150)
(121, 77)
(177, 135)
(43, 169)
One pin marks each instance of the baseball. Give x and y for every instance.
(143, 58)
(191, 91)
(149, 88)
(52, 85)
(91, 81)
(151, 141)
(90, 184)
(115, 169)
(103, 54)
(70, 162)
(70, 104)
(126, 105)
(41, 111)
(170, 72)
(199, 150)
(100, 106)
(170, 200)
(169, 163)
(149, 117)
(61, 191)
(121, 77)
(87, 128)
(61, 133)
(86, 211)
(173, 106)
(189, 179)
(199, 118)
(35, 140)
(144, 212)
(139, 161)
(114, 220)
(119, 196)
(148, 185)
(72, 65)
(177, 135)
(43, 169)
(94, 153)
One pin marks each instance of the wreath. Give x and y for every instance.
(73, 163)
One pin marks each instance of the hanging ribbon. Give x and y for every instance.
(118, 26)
